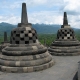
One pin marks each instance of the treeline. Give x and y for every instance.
(45, 39)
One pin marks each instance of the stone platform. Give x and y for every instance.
(65, 48)
(65, 68)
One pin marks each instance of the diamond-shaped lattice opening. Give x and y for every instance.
(62, 37)
(22, 31)
(68, 37)
(22, 39)
(14, 31)
(30, 38)
(34, 41)
(62, 32)
(17, 42)
(29, 31)
(17, 35)
(65, 30)
(57, 37)
(33, 34)
(73, 37)
(13, 38)
(26, 42)
(26, 35)
(65, 34)
(36, 37)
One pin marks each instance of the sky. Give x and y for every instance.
(41, 11)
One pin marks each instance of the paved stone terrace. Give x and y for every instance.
(64, 69)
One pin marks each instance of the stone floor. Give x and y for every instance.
(64, 69)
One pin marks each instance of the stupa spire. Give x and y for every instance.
(5, 36)
(24, 17)
(65, 21)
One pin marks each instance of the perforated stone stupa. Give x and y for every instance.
(66, 42)
(25, 53)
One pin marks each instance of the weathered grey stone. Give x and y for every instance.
(65, 21)
(26, 63)
(5, 37)
(25, 53)
(30, 69)
(79, 71)
(24, 18)
(5, 42)
(66, 43)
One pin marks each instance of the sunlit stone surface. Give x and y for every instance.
(5, 42)
(25, 53)
(66, 42)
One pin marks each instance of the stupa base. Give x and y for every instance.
(27, 69)
(65, 48)
(18, 58)
(64, 51)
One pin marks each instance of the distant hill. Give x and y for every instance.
(40, 28)
(43, 28)
(6, 27)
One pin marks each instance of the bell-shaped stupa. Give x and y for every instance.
(66, 42)
(25, 53)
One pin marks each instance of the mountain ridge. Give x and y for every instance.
(40, 28)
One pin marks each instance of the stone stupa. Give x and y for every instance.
(5, 42)
(5, 38)
(66, 43)
(25, 53)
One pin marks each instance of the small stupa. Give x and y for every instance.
(66, 42)
(5, 42)
(5, 37)
(25, 53)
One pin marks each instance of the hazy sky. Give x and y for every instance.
(41, 11)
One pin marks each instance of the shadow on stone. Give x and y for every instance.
(75, 76)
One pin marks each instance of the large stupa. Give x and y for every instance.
(25, 53)
(66, 43)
